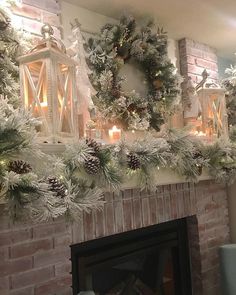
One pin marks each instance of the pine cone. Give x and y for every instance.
(92, 165)
(123, 51)
(19, 167)
(93, 145)
(199, 169)
(56, 186)
(198, 156)
(133, 161)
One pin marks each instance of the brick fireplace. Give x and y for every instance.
(34, 259)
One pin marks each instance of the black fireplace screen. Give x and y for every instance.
(148, 261)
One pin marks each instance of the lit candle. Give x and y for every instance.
(201, 133)
(198, 133)
(44, 106)
(114, 134)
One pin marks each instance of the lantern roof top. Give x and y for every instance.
(48, 47)
(205, 84)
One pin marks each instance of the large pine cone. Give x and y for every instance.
(56, 186)
(92, 165)
(133, 161)
(19, 167)
(93, 145)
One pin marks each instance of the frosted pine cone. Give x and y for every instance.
(56, 186)
(133, 161)
(19, 167)
(92, 165)
(93, 145)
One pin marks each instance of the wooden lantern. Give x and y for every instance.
(48, 88)
(214, 113)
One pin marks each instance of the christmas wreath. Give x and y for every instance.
(121, 43)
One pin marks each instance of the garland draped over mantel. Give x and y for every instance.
(39, 187)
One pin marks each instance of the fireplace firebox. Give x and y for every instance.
(148, 261)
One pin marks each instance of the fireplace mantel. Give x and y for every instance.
(165, 177)
(161, 177)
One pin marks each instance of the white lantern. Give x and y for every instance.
(214, 113)
(48, 88)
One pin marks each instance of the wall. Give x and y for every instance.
(34, 258)
(30, 15)
(92, 22)
(195, 57)
(232, 211)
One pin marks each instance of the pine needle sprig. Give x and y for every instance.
(81, 198)
(75, 156)
(222, 163)
(183, 149)
(20, 197)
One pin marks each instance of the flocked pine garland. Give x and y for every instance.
(40, 187)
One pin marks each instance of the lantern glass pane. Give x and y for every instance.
(35, 89)
(64, 94)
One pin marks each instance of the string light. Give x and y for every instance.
(2, 162)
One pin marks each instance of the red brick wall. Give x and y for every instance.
(32, 14)
(195, 57)
(34, 259)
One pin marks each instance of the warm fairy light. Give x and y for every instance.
(198, 133)
(114, 134)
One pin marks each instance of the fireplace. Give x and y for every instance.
(34, 258)
(147, 261)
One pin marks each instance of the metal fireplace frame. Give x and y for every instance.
(95, 253)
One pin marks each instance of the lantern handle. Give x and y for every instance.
(201, 84)
(49, 40)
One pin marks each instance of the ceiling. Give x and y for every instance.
(208, 21)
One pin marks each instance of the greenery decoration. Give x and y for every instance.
(147, 49)
(222, 161)
(9, 49)
(39, 187)
(28, 190)
(63, 186)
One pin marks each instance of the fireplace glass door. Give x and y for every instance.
(150, 261)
